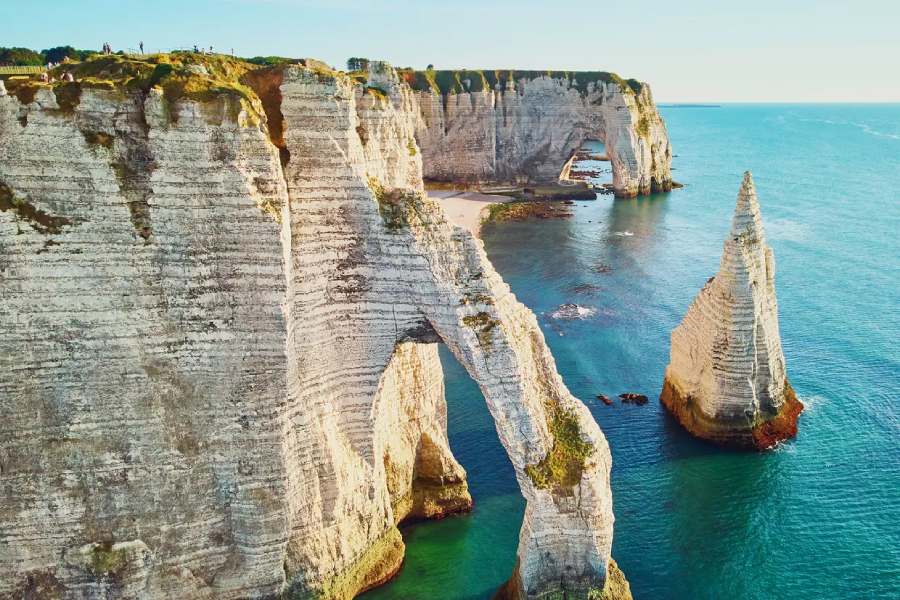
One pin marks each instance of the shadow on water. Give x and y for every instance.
(718, 502)
(635, 228)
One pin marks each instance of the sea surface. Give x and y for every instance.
(819, 517)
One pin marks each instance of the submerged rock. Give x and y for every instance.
(632, 398)
(726, 379)
(588, 289)
(570, 311)
(604, 399)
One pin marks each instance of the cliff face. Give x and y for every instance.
(217, 355)
(524, 129)
(726, 379)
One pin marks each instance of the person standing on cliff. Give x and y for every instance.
(141, 46)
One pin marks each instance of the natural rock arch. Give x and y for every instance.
(390, 249)
(204, 400)
(524, 128)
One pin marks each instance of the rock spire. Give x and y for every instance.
(726, 379)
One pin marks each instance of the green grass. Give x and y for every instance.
(563, 466)
(396, 206)
(377, 92)
(453, 81)
(105, 560)
(180, 75)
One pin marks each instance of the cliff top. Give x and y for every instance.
(465, 80)
(179, 75)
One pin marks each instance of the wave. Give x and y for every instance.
(812, 403)
(865, 127)
(875, 132)
(787, 229)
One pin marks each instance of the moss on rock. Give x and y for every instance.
(374, 567)
(561, 469)
(180, 75)
(398, 207)
(98, 138)
(483, 324)
(40, 221)
(476, 80)
(107, 560)
(616, 586)
(761, 432)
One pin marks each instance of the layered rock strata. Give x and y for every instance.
(726, 379)
(217, 352)
(514, 127)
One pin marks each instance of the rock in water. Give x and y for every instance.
(726, 379)
(632, 398)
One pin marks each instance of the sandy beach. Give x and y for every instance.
(465, 208)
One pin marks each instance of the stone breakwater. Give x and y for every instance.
(726, 379)
(526, 127)
(218, 364)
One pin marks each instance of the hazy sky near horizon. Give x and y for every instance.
(688, 50)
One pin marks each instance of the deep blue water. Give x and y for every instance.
(817, 518)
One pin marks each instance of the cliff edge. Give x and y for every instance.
(223, 290)
(515, 127)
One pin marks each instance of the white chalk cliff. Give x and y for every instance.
(526, 126)
(726, 379)
(218, 365)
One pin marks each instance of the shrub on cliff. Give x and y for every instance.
(356, 63)
(20, 57)
(268, 61)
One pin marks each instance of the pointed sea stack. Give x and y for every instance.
(726, 379)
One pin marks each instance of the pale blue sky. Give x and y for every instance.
(689, 50)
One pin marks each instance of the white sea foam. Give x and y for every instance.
(787, 229)
(865, 127)
(572, 311)
(624, 233)
(812, 403)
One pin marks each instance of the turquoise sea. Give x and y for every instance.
(817, 518)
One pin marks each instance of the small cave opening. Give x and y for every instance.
(590, 164)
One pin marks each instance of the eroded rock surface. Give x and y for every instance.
(726, 379)
(525, 128)
(218, 367)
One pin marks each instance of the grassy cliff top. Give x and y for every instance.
(185, 74)
(180, 75)
(191, 75)
(463, 80)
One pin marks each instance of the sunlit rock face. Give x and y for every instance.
(218, 361)
(525, 131)
(726, 379)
